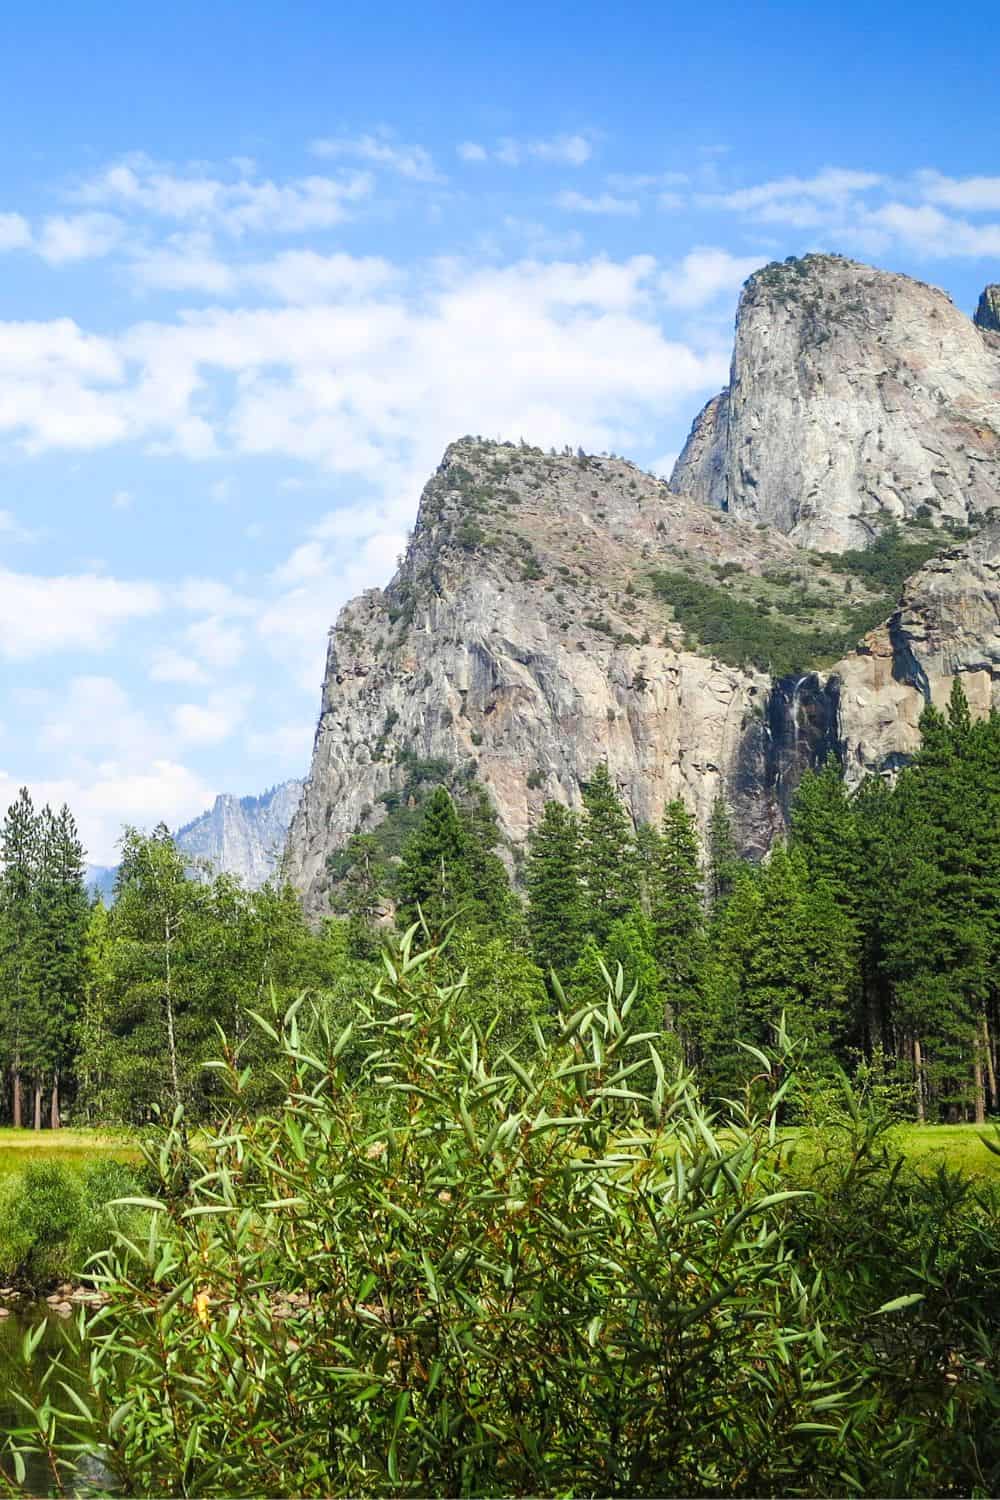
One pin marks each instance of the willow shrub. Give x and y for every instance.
(546, 1274)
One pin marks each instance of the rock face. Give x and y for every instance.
(988, 312)
(947, 624)
(242, 836)
(856, 397)
(521, 641)
(553, 612)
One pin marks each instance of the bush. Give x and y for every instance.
(458, 1271)
(52, 1218)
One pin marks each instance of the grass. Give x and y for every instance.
(74, 1148)
(959, 1147)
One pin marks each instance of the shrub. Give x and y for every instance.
(461, 1271)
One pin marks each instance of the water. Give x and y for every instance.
(56, 1341)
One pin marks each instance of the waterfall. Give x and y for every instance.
(795, 715)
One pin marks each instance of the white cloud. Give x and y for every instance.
(170, 665)
(105, 796)
(928, 231)
(238, 206)
(210, 596)
(39, 615)
(567, 351)
(78, 237)
(705, 273)
(215, 643)
(206, 724)
(380, 150)
(287, 745)
(15, 232)
(831, 185)
(603, 203)
(306, 562)
(559, 150)
(122, 500)
(192, 263)
(13, 531)
(972, 194)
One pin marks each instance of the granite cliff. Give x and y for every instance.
(554, 611)
(241, 836)
(856, 396)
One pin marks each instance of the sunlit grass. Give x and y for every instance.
(74, 1148)
(959, 1147)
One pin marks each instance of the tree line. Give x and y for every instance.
(873, 928)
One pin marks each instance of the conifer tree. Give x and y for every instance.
(555, 897)
(61, 919)
(780, 947)
(608, 858)
(676, 909)
(630, 944)
(19, 853)
(434, 877)
(723, 860)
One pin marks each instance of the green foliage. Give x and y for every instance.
(43, 925)
(556, 914)
(887, 563)
(733, 628)
(52, 1218)
(677, 915)
(461, 1273)
(448, 867)
(607, 856)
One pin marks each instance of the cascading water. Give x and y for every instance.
(795, 715)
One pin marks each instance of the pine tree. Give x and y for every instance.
(434, 878)
(941, 944)
(555, 894)
(608, 858)
(493, 903)
(723, 861)
(630, 944)
(677, 915)
(61, 919)
(780, 947)
(19, 853)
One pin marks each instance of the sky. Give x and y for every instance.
(260, 264)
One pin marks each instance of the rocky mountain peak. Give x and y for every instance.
(988, 312)
(857, 397)
(241, 836)
(547, 616)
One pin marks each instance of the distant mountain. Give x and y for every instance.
(242, 836)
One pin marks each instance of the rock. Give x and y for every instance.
(242, 836)
(4, 1312)
(947, 624)
(988, 312)
(856, 397)
(64, 1309)
(54, 1299)
(521, 643)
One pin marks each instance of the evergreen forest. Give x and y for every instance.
(874, 930)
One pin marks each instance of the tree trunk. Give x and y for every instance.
(979, 1099)
(991, 1072)
(918, 1073)
(171, 1037)
(38, 1104)
(55, 1119)
(17, 1098)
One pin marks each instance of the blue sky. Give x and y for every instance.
(259, 264)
